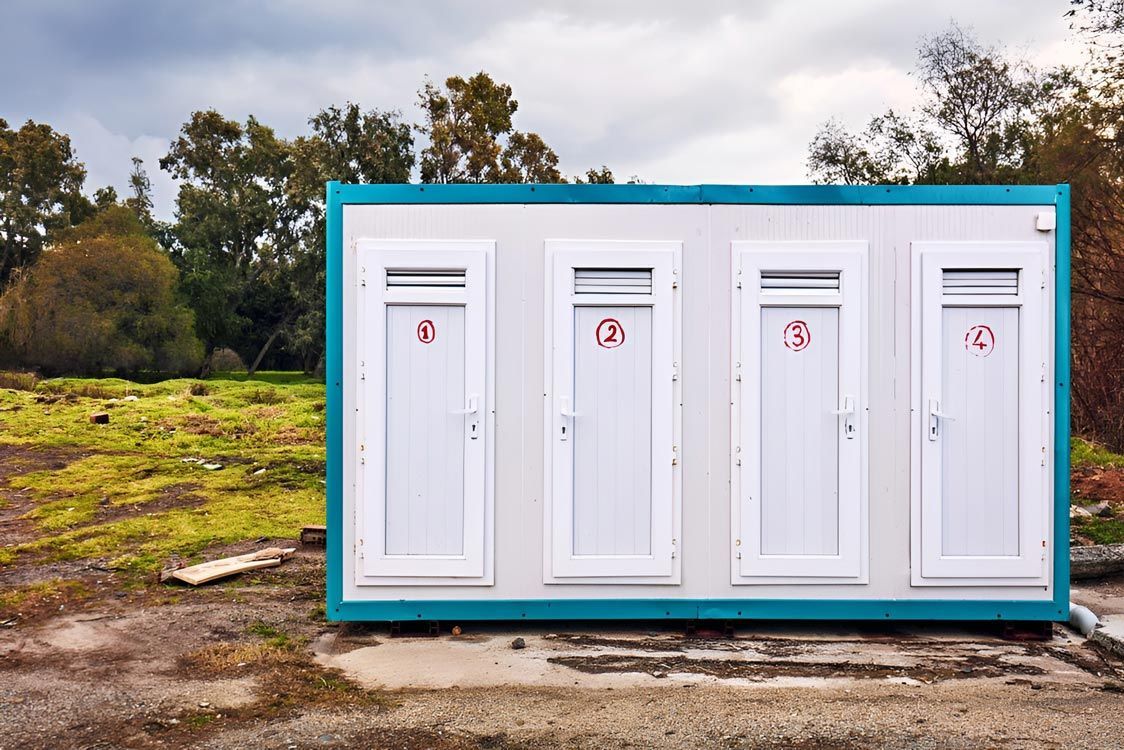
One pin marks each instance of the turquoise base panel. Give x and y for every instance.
(339, 195)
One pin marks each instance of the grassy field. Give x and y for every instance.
(129, 495)
(143, 488)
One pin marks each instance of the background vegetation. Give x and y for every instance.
(237, 277)
(988, 117)
(246, 248)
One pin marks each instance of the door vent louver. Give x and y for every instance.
(612, 281)
(799, 282)
(420, 279)
(981, 281)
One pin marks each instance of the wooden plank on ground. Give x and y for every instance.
(228, 566)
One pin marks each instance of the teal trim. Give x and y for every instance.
(333, 379)
(339, 195)
(1061, 397)
(691, 609)
(812, 195)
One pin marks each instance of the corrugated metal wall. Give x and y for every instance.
(706, 287)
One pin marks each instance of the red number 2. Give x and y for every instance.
(610, 333)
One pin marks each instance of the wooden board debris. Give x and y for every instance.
(228, 566)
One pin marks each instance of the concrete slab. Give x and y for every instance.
(775, 657)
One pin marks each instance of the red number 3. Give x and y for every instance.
(797, 336)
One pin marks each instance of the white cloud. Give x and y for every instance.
(683, 92)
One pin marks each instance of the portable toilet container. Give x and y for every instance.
(644, 401)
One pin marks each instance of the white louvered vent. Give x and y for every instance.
(612, 281)
(434, 279)
(981, 281)
(799, 282)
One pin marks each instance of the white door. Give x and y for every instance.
(611, 410)
(979, 410)
(423, 404)
(800, 410)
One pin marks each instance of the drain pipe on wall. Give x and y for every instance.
(1082, 619)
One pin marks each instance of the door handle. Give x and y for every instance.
(472, 408)
(564, 407)
(935, 417)
(564, 410)
(847, 411)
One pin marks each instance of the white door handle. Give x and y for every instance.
(935, 417)
(848, 413)
(471, 407)
(564, 407)
(564, 410)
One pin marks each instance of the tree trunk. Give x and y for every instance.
(205, 368)
(265, 348)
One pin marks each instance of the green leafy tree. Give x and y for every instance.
(234, 226)
(141, 188)
(104, 298)
(527, 158)
(602, 176)
(468, 124)
(350, 145)
(40, 192)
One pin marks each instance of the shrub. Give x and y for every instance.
(18, 381)
(227, 360)
(103, 298)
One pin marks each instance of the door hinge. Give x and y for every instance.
(674, 371)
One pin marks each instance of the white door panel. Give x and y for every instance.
(425, 447)
(800, 434)
(979, 445)
(799, 417)
(979, 397)
(611, 405)
(423, 483)
(612, 433)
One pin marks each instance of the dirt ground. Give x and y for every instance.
(104, 660)
(252, 664)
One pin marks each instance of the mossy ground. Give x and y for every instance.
(1098, 476)
(136, 491)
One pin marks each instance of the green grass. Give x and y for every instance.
(124, 492)
(1087, 453)
(1100, 530)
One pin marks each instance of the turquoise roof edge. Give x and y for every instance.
(828, 195)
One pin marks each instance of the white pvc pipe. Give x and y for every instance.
(1082, 619)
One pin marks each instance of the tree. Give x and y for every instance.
(104, 298)
(472, 139)
(527, 158)
(350, 145)
(979, 118)
(602, 176)
(234, 226)
(990, 120)
(40, 192)
(141, 188)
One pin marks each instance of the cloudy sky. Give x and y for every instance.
(673, 91)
